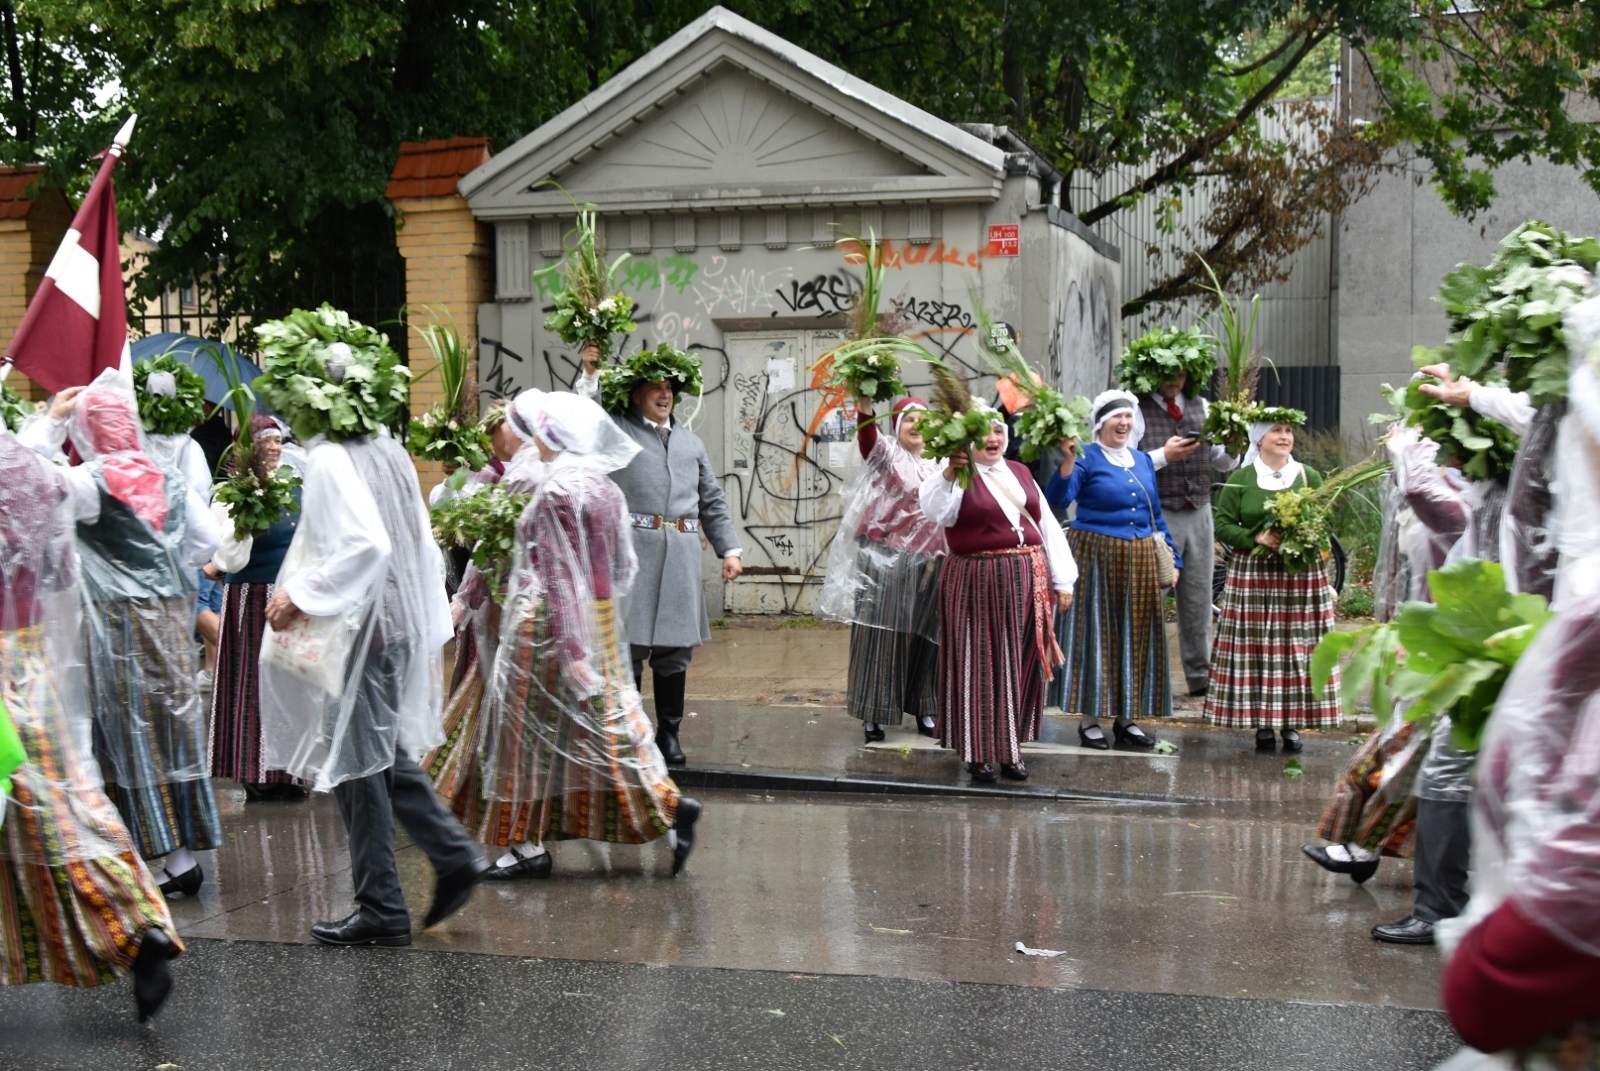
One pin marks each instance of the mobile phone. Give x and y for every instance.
(1191, 437)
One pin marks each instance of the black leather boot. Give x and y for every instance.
(669, 715)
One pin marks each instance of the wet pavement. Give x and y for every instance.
(817, 929)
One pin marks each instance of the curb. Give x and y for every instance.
(715, 777)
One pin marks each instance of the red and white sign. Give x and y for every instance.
(1005, 240)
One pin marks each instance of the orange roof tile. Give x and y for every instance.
(432, 168)
(17, 190)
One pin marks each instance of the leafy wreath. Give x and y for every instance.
(662, 364)
(331, 374)
(163, 414)
(14, 408)
(1157, 358)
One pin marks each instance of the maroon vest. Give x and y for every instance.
(982, 526)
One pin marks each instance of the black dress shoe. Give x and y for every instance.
(1408, 931)
(983, 772)
(1094, 737)
(1014, 771)
(188, 883)
(1291, 740)
(671, 750)
(452, 891)
(1132, 734)
(531, 866)
(683, 824)
(1196, 693)
(874, 733)
(926, 730)
(152, 975)
(1358, 869)
(294, 793)
(1266, 740)
(356, 930)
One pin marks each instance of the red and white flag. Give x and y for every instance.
(76, 325)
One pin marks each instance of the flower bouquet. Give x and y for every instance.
(1228, 419)
(867, 366)
(587, 308)
(172, 396)
(449, 432)
(1452, 656)
(487, 523)
(662, 364)
(1484, 447)
(1049, 417)
(1513, 307)
(1301, 515)
(1157, 357)
(14, 409)
(257, 498)
(331, 374)
(954, 422)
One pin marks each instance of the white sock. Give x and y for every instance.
(1338, 853)
(872, 726)
(672, 839)
(178, 862)
(527, 850)
(1360, 854)
(926, 720)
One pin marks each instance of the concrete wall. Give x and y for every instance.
(762, 295)
(1396, 244)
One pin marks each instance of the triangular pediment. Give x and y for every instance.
(724, 114)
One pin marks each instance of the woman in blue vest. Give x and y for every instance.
(1114, 637)
(247, 569)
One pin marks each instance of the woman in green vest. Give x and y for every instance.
(1272, 617)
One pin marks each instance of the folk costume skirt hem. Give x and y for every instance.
(236, 691)
(1114, 636)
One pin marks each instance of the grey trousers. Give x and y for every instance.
(667, 661)
(1195, 537)
(1444, 852)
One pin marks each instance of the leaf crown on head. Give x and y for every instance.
(664, 364)
(330, 374)
(169, 414)
(1157, 357)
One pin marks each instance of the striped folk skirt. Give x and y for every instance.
(235, 693)
(991, 678)
(622, 794)
(1113, 636)
(891, 667)
(75, 900)
(454, 766)
(149, 726)
(1261, 657)
(1374, 805)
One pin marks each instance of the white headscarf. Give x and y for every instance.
(520, 411)
(1267, 479)
(580, 429)
(998, 477)
(1105, 405)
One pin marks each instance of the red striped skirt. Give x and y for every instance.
(235, 692)
(991, 678)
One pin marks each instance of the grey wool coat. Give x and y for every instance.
(667, 607)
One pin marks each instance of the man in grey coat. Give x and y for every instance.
(672, 497)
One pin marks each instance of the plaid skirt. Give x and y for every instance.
(1374, 805)
(67, 914)
(623, 801)
(892, 671)
(991, 678)
(454, 765)
(1113, 635)
(170, 805)
(235, 693)
(1261, 657)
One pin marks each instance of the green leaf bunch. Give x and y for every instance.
(256, 504)
(664, 364)
(295, 380)
(439, 436)
(1160, 354)
(589, 308)
(14, 408)
(1450, 656)
(160, 414)
(1228, 425)
(1050, 419)
(578, 323)
(867, 368)
(1236, 379)
(1509, 312)
(944, 434)
(1483, 447)
(1302, 515)
(486, 521)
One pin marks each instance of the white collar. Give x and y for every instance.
(1277, 481)
(1120, 456)
(1161, 401)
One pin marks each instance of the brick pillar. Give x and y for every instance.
(449, 255)
(32, 224)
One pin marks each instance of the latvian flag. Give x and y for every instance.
(76, 325)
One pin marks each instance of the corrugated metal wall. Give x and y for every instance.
(1294, 329)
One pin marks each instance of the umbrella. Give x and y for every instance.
(202, 355)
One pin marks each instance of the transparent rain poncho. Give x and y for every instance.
(567, 732)
(56, 809)
(883, 567)
(140, 538)
(343, 690)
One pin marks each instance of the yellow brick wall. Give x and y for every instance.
(449, 266)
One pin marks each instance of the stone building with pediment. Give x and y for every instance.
(727, 163)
